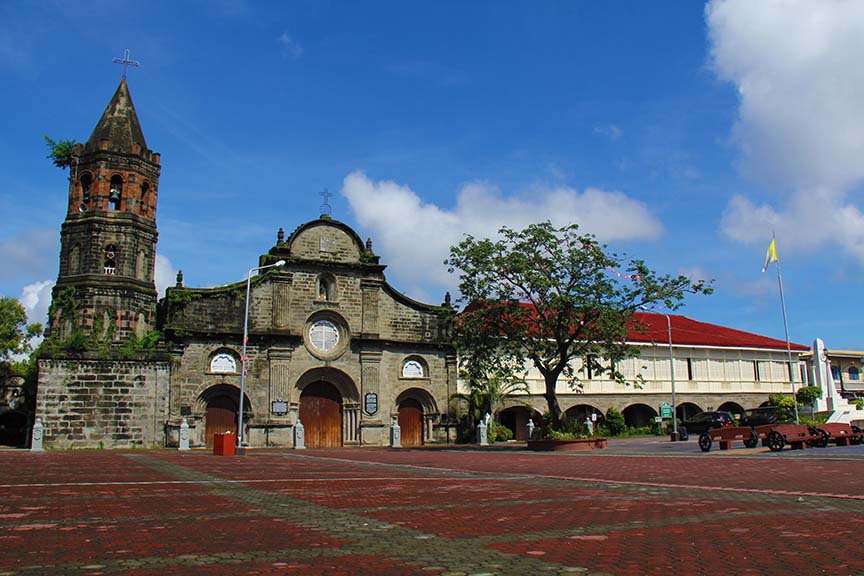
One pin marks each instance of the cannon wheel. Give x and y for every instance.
(753, 441)
(776, 441)
(824, 438)
(705, 442)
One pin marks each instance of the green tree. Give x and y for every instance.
(547, 296)
(487, 396)
(807, 396)
(61, 152)
(15, 333)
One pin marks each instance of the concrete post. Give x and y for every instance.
(395, 434)
(482, 438)
(184, 435)
(36, 440)
(299, 436)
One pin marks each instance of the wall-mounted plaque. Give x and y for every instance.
(370, 404)
(279, 408)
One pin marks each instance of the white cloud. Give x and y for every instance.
(416, 236)
(290, 47)
(610, 131)
(36, 298)
(164, 275)
(796, 65)
(30, 254)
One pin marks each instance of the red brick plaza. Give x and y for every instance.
(433, 512)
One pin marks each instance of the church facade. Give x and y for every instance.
(330, 343)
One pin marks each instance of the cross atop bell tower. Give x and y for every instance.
(108, 240)
(126, 62)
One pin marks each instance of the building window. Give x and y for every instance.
(86, 183)
(115, 193)
(589, 366)
(854, 373)
(835, 372)
(110, 266)
(756, 375)
(324, 335)
(413, 369)
(224, 363)
(689, 369)
(145, 197)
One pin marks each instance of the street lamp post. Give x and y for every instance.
(672, 378)
(243, 356)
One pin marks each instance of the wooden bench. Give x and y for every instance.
(726, 436)
(842, 434)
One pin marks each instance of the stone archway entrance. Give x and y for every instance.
(321, 415)
(221, 416)
(411, 422)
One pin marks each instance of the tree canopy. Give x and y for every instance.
(15, 333)
(544, 296)
(61, 152)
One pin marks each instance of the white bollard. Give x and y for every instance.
(395, 435)
(482, 438)
(38, 433)
(184, 435)
(299, 436)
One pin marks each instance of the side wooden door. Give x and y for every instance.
(411, 422)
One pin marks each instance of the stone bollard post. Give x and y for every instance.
(184, 435)
(299, 436)
(482, 438)
(36, 440)
(530, 427)
(395, 434)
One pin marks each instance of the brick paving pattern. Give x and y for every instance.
(434, 512)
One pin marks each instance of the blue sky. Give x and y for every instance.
(679, 132)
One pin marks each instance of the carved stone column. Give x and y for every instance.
(280, 365)
(370, 290)
(281, 301)
(370, 363)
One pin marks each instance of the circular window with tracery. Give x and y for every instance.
(324, 336)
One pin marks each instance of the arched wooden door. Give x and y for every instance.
(221, 417)
(411, 422)
(321, 415)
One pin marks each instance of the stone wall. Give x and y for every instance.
(107, 403)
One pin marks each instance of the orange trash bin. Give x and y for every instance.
(223, 444)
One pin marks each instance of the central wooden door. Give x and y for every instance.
(411, 422)
(321, 415)
(221, 417)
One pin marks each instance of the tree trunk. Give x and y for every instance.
(552, 400)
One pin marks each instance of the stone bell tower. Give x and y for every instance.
(108, 239)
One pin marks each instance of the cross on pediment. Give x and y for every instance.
(126, 62)
(325, 207)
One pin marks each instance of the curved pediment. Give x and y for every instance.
(326, 240)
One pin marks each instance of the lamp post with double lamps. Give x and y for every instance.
(245, 340)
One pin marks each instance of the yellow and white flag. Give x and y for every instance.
(771, 256)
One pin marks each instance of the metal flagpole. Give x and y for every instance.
(786, 330)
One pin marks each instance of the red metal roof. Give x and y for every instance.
(686, 331)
